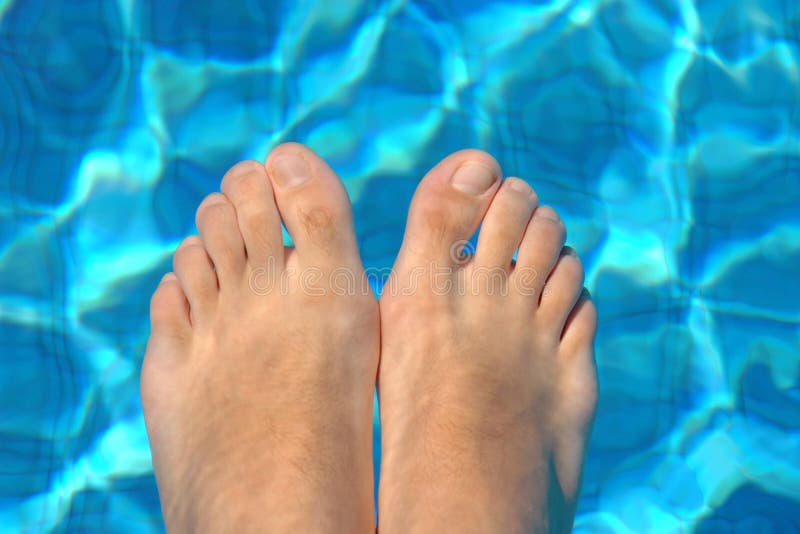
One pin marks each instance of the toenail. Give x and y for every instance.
(214, 199)
(549, 214)
(290, 170)
(474, 178)
(521, 186)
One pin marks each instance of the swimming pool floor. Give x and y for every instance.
(666, 133)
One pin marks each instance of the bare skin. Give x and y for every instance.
(258, 400)
(257, 382)
(487, 392)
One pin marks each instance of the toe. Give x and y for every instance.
(170, 330)
(505, 223)
(314, 207)
(169, 309)
(248, 187)
(448, 206)
(195, 272)
(579, 393)
(219, 229)
(580, 327)
(562, 290)
(540, 248)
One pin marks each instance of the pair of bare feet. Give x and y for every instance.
(258, 380)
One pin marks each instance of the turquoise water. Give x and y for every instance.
(667, 133)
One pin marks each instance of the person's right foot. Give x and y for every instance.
(487, 381)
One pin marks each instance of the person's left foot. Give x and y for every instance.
(487, 379)
(257, 384)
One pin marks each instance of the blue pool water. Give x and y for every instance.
(667, 133)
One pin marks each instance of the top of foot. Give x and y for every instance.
(257, 384)
(487, 382)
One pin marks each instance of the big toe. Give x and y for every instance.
(448, 206)
(314, 206)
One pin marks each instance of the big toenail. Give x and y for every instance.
(474, 178)
(290, 170)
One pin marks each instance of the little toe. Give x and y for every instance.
(249, 189)
(449, 204)
(540, 248)
(169, 309)
(562, 290)
(170, 332)
(581, 326)
(219, 229)
(314, 207)
(195, 272)
(579, 392)
(505, 223)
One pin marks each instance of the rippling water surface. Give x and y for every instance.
(667, 133)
